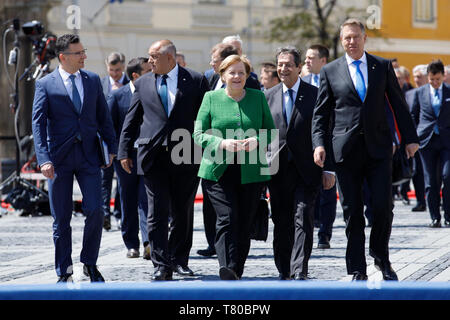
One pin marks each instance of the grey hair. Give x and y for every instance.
(114, 58)
(421, 68)
(290, 50)
(169, 48)
(232, 38)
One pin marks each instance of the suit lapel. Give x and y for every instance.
(60, 83)
(372, 73)
(181, 85)
(426, 100)
(345, 75)
(84, 80)
(154, 93)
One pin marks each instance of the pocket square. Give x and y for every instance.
(448, 99)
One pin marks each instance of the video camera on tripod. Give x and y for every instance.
(27, 196)
(43, 49)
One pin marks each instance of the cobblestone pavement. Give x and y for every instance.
(418, 253)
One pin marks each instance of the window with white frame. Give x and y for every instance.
(424, 13)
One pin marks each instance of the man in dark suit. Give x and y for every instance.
(418, 180)
(218, 53)
(165, 100)
(294, 187)
(325, 209)
(116, 78)
(431, 113)
(352, 96)
(69, 109)
(130, 186)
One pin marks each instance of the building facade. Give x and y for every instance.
(415, 31)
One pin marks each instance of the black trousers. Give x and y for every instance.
(209, 219)
(235, 205)
(171, 193)
(292, 204)
(351, 172)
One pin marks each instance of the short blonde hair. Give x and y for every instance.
(353, 22)
(230, 60)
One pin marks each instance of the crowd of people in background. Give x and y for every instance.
(325, 148)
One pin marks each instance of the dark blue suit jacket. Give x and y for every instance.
(56, 123)
(424, 117)
(119, 102)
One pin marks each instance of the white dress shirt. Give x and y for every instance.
(172, 84)
(112, 81)
(433, 90)
(294, 93)
(68, 83)
(362, 67)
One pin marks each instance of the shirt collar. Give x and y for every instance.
(132, 87)
(432, 90)
(350, 60)
(111, 80)
(294, 87)
(65, 75)
(172, 74)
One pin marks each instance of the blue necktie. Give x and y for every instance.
(289, 106)
(316, 80)
(163, 93)
(360, 85)
(436, 104)
(75, 95)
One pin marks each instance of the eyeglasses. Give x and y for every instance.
(78, 53)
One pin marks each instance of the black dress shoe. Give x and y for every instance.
(386, 269)
(183, 270)
(284, 277)
(162, 275)
(107, 223)
(324, 243)
(435, 223)
(300, 276)
(133, 253)
(227, 274)
(208, 252)
(419, 207)
(93, 273)
(65, 278)
(359, 276)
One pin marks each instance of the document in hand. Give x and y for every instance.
(103, 150)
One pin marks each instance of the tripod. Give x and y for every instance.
(25, 196)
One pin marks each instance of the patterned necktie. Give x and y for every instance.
(316, 80)
(289, 106)
(163, 93)
(360, 85)
(436, 104)
(75, 95)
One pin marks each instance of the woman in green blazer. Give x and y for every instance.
(234, 126)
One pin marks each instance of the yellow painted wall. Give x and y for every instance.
(397, 21)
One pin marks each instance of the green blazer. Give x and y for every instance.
(220, 117)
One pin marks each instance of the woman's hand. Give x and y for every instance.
(232, 145)
(250, 144)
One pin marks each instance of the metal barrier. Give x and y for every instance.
(231, 290)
